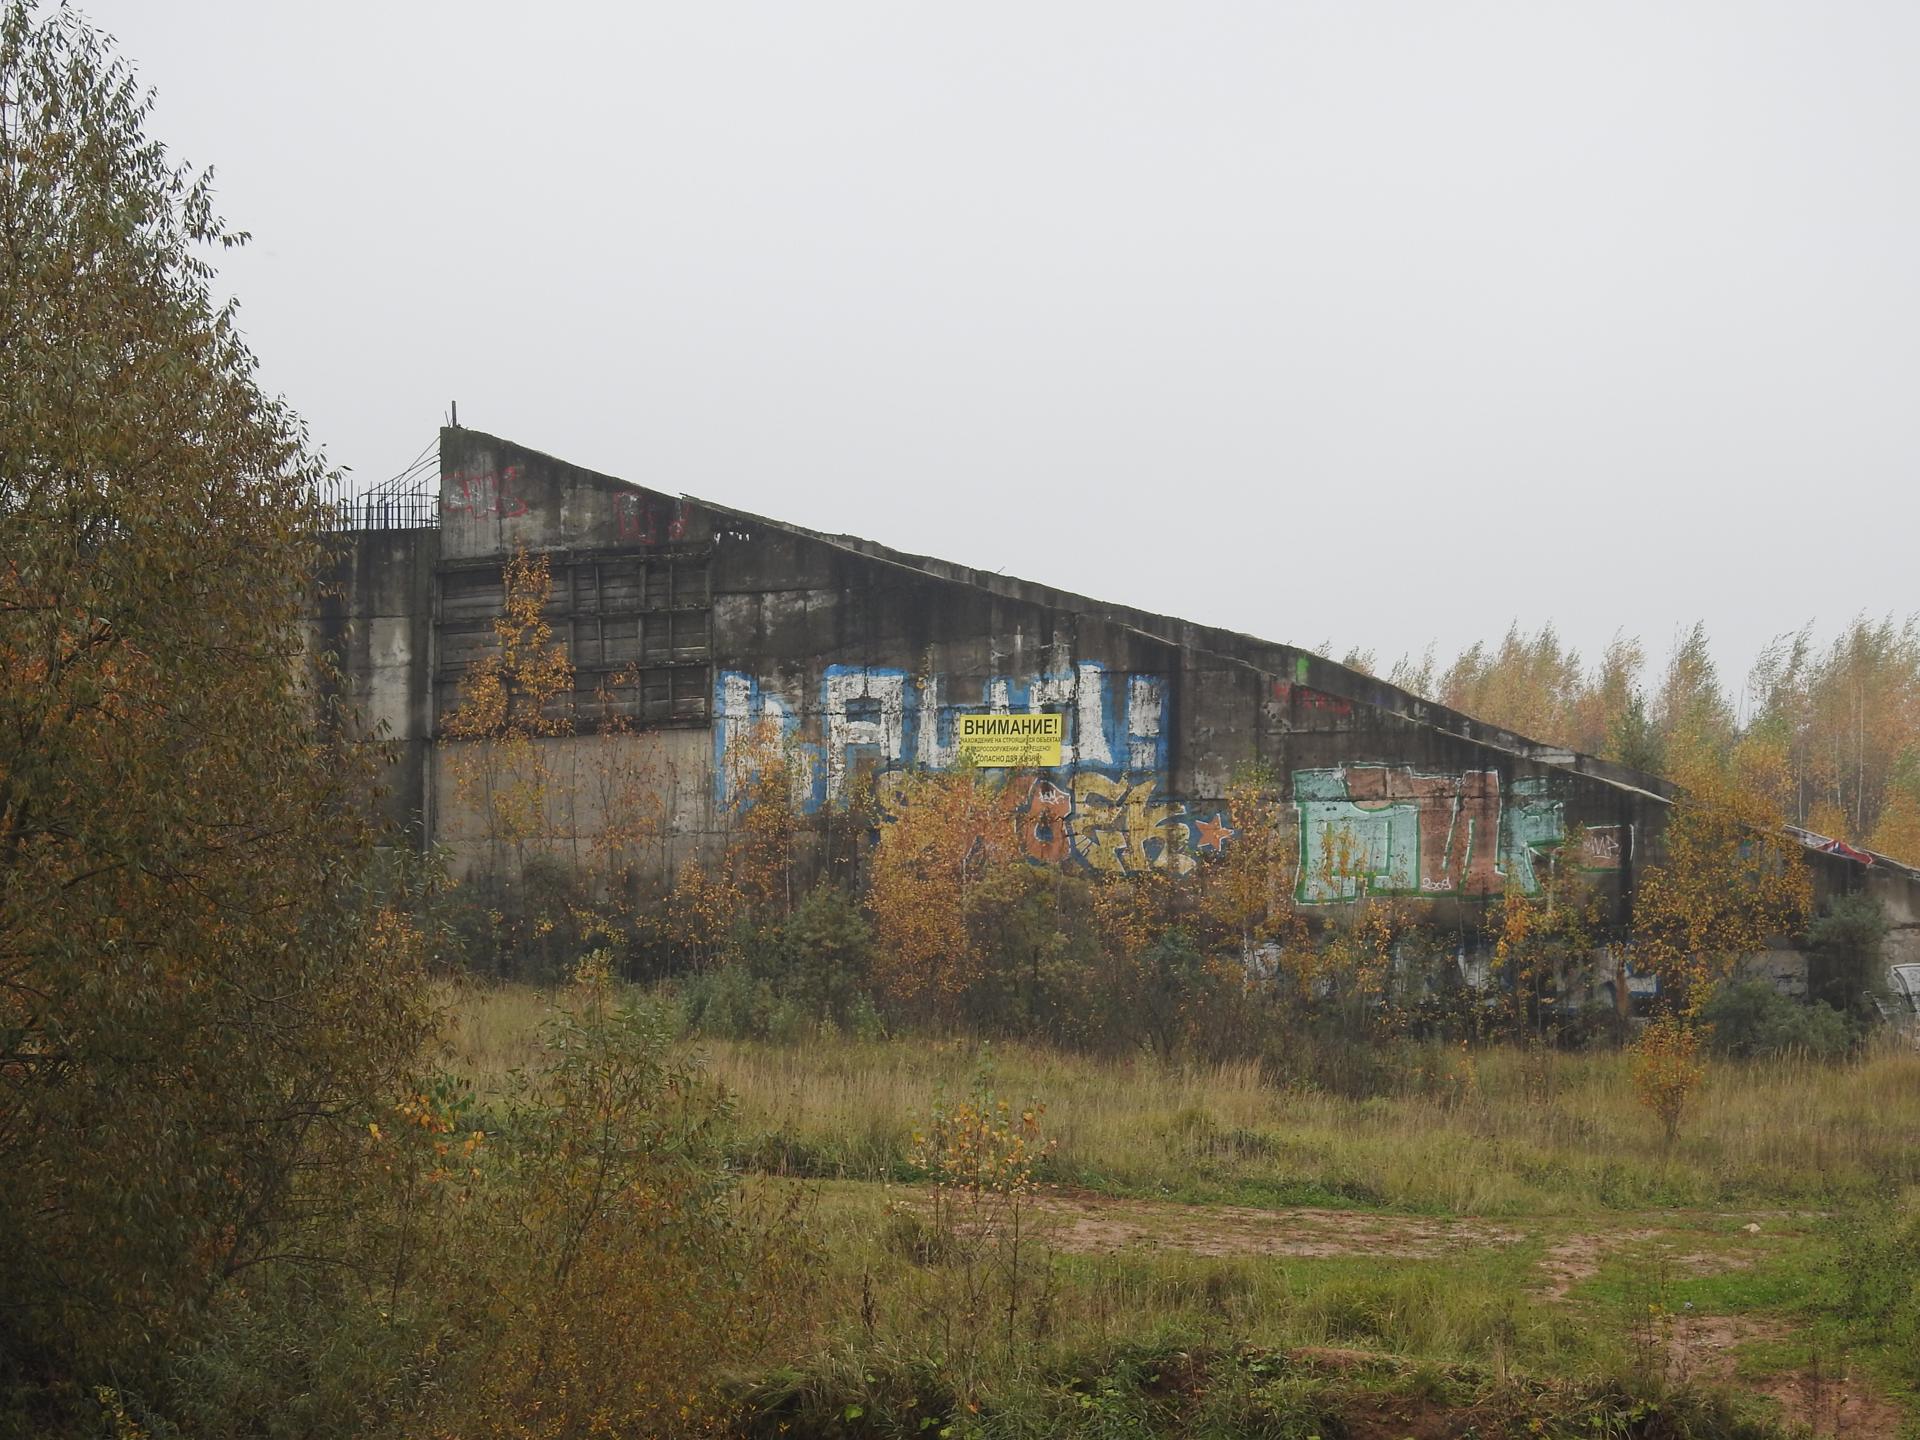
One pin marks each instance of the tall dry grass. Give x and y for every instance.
(489, 1031)
(1499, 1131)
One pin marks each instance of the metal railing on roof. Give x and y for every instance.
(408, 501)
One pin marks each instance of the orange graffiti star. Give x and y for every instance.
(1212, 832)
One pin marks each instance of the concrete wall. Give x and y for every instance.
(860, 660)
(374, 614)
(863, 665)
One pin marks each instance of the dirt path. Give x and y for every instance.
(1830, 1399)
(1577, 1258)
(1097, 1224)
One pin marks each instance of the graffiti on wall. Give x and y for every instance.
(1105, 808)
(1605, 847)
(1393, 830)
(478, 493)
(877, 718)
(648, 519)
(1372, 829)
(1110, 825)
(1307, 698)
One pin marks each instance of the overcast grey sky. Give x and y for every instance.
(1373, 323)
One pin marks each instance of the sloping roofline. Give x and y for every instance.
(1235, 647)
(1264, 656)
(1240, 648)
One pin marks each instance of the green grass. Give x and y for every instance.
(1543, 1148)
(1540, 1134)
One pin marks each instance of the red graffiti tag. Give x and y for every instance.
(1459, 822)
(646, 518)
(475, 493)
(1287, 693)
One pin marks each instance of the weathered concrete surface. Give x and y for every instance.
(374, 614)
(859, 659)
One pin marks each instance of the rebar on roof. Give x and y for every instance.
(408, 501)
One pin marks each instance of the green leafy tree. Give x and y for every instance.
(1847, 968)
(195, 1004)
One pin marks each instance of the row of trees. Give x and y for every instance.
(1833, 731)
(952, 925)
(945, 922)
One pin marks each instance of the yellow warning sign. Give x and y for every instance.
(1007, 741)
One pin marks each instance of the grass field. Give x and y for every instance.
(1502, 1235)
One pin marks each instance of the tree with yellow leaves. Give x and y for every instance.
(1728, 879)
(635, 787)
(615, 1269)
(982, 1155)
(1540, 939)
(1245, 893)
(1848, 720)
(1666, 1069)
(514, 696)
(948, 835)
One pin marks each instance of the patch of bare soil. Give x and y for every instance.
(1829, 1400)
(1407, 1420)
(1094, 1224)
(1577, 1258)
(1334, 1357)
(1713, 1264)
(1834, 1404)
(1569, 1261)
(1701, 1347)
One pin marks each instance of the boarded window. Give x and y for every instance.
(638, 627)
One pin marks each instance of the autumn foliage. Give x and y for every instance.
(939, 854)
(982, 1154)
(518, 692)
(198, 998)
(1725, 883)
(1667, 1069)
(1843, 718)
(616, 1271)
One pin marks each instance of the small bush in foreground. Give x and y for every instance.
(1667, 1070)
(615, 1267)
(1750, 1019)
(1878, 1246)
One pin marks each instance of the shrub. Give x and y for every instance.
(1878, 1247)
(730, 1003)
(822, 959)
(981, 1155)
(790, 981)
(524, 930)
(1667, 1069)
(613, 1268)
(1844, 967)
(1750, 1019)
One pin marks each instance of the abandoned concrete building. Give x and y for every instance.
(725, 626)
